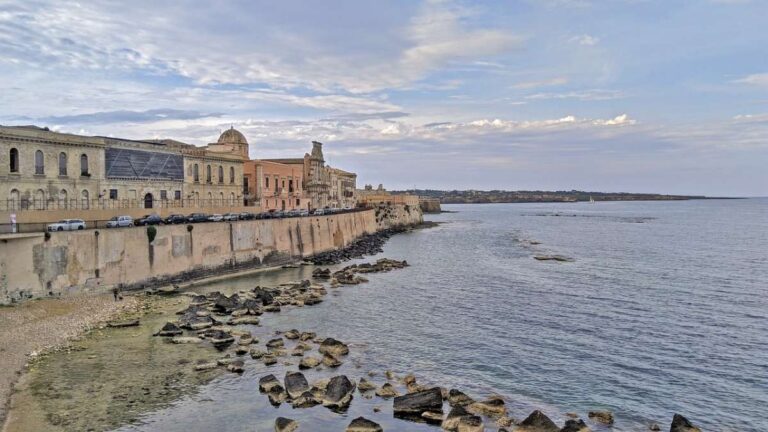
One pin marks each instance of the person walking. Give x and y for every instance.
(116, 292)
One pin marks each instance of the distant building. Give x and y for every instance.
(370, 197)
(46, 170)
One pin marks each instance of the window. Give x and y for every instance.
(232, 198)
(113, 194)
(266, 182)
(14, 198)
(85, 203)
(63, 198)
(221, 174)
(196, 173)
(14, 160)
(290, 185)
(208, 174)
(84, 165)
(231, 174)
(283, 183)
(298, 202)
(177, 195)
(62, 164)
(163, 195)
(40, 199)
(39, 162)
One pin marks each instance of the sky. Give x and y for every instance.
(667, 96)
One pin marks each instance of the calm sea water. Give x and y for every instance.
(664, 309)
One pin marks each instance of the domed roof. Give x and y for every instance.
(232, 136)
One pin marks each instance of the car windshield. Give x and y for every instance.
(114, 218)
(63, 221)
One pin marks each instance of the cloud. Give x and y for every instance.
(584, 95)
(109, 117)
(542, 83)
(387, 115)
(585, 39)
(760, 80)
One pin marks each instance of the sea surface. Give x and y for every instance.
(663, 310)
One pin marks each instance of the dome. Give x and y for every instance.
(232, 136)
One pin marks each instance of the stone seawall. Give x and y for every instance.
(32, 265)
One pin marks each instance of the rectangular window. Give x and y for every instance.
(290, 185)
(266, 182)
(113, 194)
(177, 195)
(163, 195)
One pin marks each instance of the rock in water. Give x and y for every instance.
(493, 407)
(128, 323)
(537, 422)
(236, 366)
(362, 424)
(338, 393)
(295, 384)
(681, 424)
(386, 391)
(268, 382)
(456, 397)
(283, 424)
(451, 422)
(365, 385)
(414, 404)
(275, 343)
(170, 329)
(309, 362)
(575, 426)
(292, 334)
(604, 417)
(471, 424)
(333, 347)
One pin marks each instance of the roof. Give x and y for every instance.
(232, 136)
(287, 161)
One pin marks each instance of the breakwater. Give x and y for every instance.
(49, 265)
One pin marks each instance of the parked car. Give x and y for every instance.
(198, 217)
(231, 217)
(278, 214)
(319, 212)
(152, 219)
(66, 225)
(292, 213)
(215, 218)
(304, 212)
(175, 219)
(120, 221)
(247, 216)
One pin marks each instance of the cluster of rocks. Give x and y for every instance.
(350, 275)
(369, 244)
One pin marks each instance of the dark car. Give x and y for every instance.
(152, 219)
(198, 217)
(176, 219)
(247, 216)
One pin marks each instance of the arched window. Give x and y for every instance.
(221, 174)
(207, 173)
(221, 198)
(196, 172)
(84, 165)
(85, 202)
(232, 198)
(40, 199)
(14, 199)
(39, 162)
(14, 160)
(231, 174)
(62, 164)
(63, 198)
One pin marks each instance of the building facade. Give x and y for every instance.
(45, 170)
(343, 188)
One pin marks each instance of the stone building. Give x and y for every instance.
(299, 183)
(45, 170)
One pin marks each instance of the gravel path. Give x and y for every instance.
(37, 326)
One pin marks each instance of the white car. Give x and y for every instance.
(120, 221)
(67, 225)
(215, 218)
(231, 217)
(319, 212)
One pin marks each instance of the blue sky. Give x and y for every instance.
(613, 95)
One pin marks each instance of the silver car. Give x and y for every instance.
(66, 225)
(120, 221)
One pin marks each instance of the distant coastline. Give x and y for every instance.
(501, 196)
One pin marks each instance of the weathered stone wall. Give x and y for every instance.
(390, 216)
(84, 261)
(430, 205)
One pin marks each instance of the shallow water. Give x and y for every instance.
(663, 310)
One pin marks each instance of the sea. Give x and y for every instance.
(660, 307)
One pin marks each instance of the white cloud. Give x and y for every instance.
(585, 95)
(541, 83)
(585, 39)
(760, 79)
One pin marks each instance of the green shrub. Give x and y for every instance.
(151, 233)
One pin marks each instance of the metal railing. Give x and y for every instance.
(108, 204)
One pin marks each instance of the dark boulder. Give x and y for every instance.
(295, 384)
(604, 417)
(537, 422)
(458, 398)
(170, 329)
(283, 424)
(333, 347)
(575, 425)
(414, 404)
(338, 393)
(266, 383)
(362, 424)
(681, 424)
